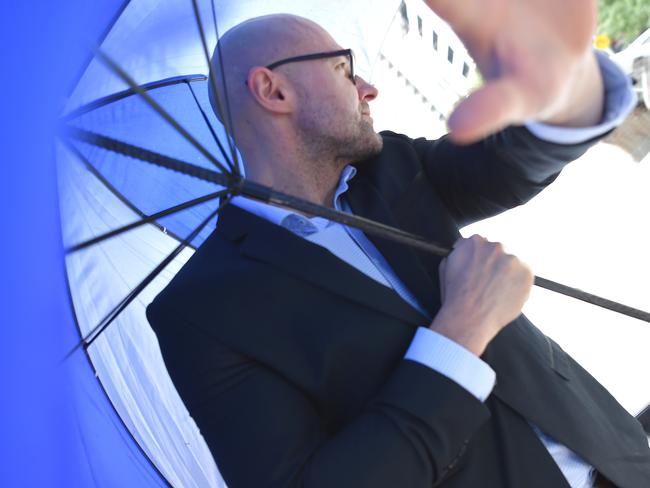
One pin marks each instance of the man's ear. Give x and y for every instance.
(271, 90)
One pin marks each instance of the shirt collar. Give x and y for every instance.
(289, 219)
(346, 175)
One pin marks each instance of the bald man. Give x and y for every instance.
(310, 354)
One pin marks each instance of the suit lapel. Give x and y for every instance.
(365, 200)
(263, 241)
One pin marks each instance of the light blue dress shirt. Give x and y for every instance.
(428, 347)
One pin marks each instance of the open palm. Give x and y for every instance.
(535, 57)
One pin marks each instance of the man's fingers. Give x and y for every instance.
(492, 107)
(441, 274)
(456, 14)
(470, 18)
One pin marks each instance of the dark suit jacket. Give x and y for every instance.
(291, 361)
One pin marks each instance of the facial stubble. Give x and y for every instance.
(325, 137)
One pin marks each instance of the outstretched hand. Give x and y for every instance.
(536, 59)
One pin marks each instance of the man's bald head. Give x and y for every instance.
(315, 110)
(259, 42)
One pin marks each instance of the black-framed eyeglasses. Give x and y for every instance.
(323, 55)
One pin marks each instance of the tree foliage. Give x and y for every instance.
(623, 19)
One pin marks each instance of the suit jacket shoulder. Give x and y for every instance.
(475, 181)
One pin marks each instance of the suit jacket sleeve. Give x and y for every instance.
(498, 173)
(264, 431)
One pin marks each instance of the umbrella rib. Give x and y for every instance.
(148, 156)
(146, 220)
(227, 119)
(115, 97)
(123, 75)
(268, 195)
(89, 338)
(75, 318)
(110, 187)
(211, 129)
(256, 191)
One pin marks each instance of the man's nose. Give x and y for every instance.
(367, 92)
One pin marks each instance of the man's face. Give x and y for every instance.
(333, 116)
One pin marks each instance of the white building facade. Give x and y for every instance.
(421, 72)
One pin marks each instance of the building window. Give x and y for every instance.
(405, 18)
(435, 40)
(420, 25)
(465, 70)
(450, 55)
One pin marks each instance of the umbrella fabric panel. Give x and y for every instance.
(148, 187)
(157, 39)
(126, 357)
(151, 40)
(100, 431)
(130, 119)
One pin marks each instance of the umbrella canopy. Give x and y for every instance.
(157, 43)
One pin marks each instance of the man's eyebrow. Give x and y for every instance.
(345, 59)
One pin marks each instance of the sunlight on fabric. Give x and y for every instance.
(126, 357)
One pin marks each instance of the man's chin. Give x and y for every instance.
(368, 132)
(371, 147)
(376, 142)
(379, 145)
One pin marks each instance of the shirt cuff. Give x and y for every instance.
(453, 361)
(620, 100)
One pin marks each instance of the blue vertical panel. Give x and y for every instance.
(56, 425)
